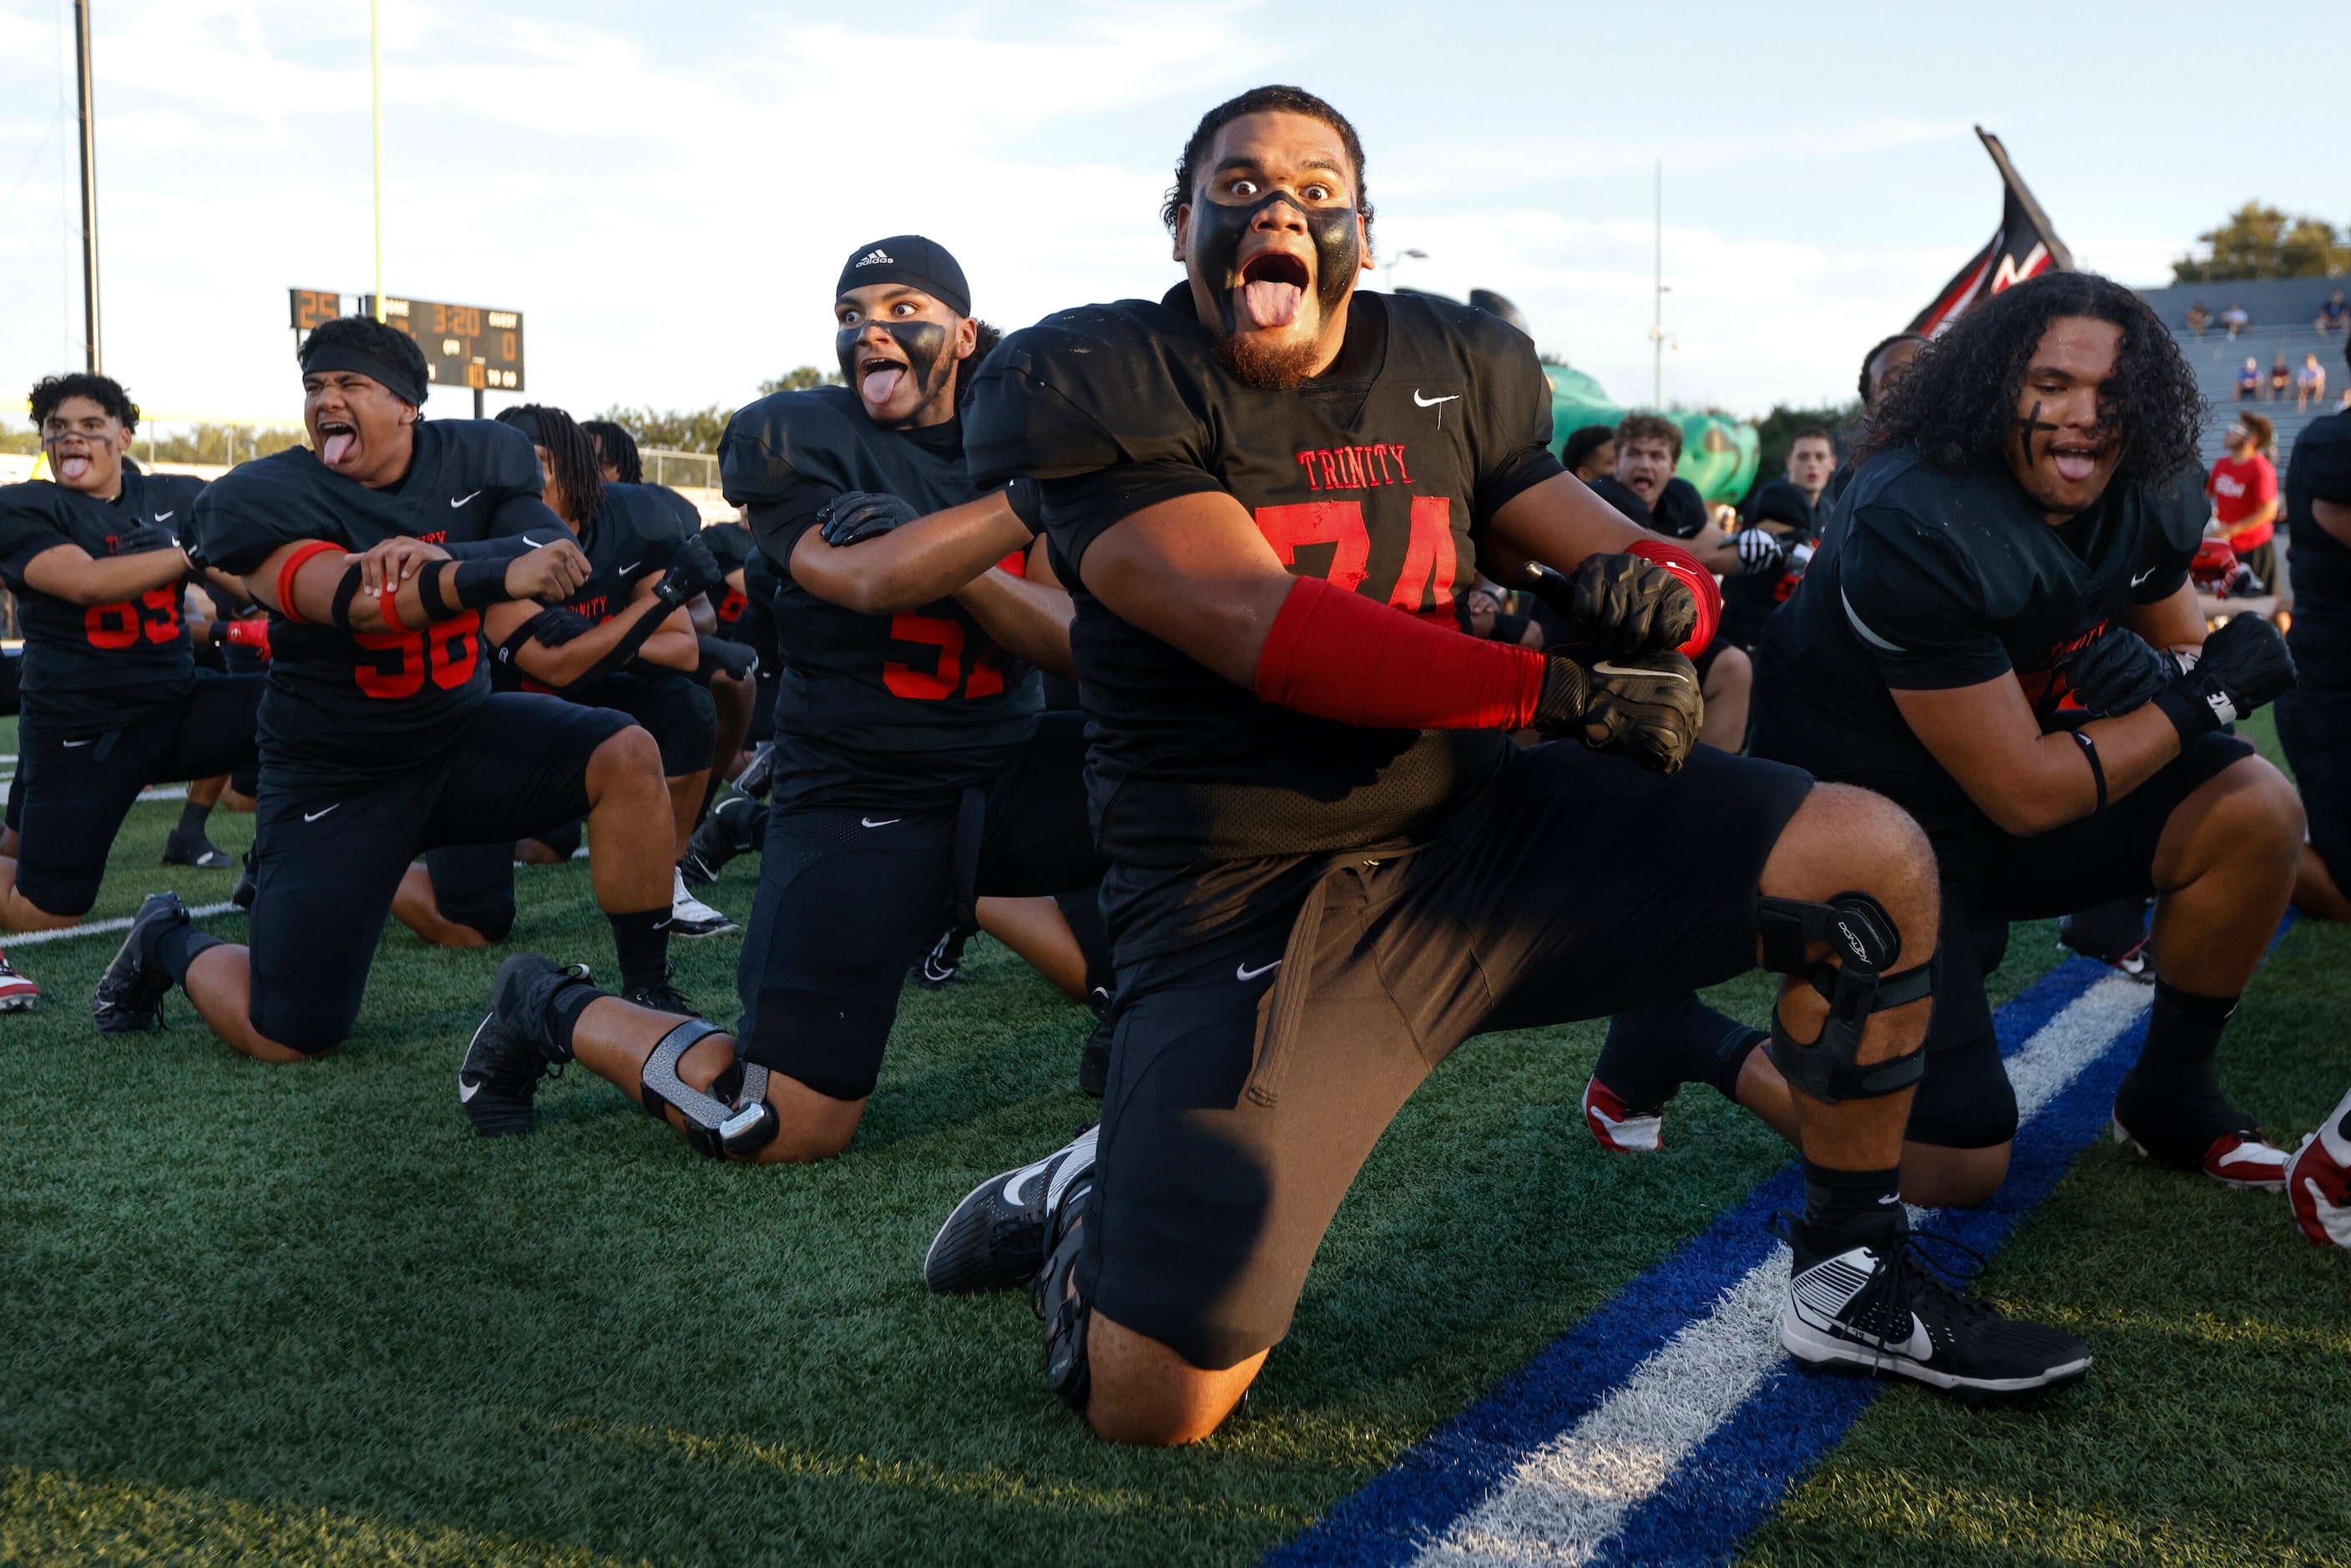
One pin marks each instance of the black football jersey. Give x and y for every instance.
(2320, 470)
(870, 709)
(1939, 580)
(631, 537)
(361, 704)
(1378, 475)
(735, 551)
(91, 666)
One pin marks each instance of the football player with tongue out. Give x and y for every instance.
(376, 548)
(1331, 863)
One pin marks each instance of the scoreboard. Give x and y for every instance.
(465, 345)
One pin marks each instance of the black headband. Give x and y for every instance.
(912, 260)
(399, 382)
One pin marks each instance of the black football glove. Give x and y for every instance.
(2120, 673)
(1645, 707)
(856, 516)
(1619, 603)
(692, 570)
(728, 658)
(2244, 666)
(143, 538)
(1759, 551)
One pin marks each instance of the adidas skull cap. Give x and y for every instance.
(909, 259)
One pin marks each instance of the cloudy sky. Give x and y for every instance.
(668, 192)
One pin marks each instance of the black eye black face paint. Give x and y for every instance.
(924, 344)
(1219, 230)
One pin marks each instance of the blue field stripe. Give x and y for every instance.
(1724, 1487)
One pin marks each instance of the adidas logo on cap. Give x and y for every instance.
(877, 256)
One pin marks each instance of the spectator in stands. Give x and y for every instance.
(2199, 318)
(2249, 381)
(2235, 319)
(1811, 461)
(2334, 315)
(2316, 725)
(2281, 378)
(1590, 452)
(2243, 486)
(2310, 386)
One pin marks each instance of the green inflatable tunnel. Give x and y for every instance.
(1718, 456)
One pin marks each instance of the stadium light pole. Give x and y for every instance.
(89, 187)
(1658, 317)
(375, 77)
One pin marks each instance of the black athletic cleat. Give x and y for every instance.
(246, 883)
(194, 849)
(1876, 1308)
(718, 839)
(995, 1238)
(130, 995)
(663, 996)
(512, 1049)
(939, 965)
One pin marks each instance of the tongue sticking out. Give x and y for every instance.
(337, 448)
(73, 468)
(2075, 467)
(1266, 302)
(877, 386)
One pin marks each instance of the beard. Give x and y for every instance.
(1270, 367)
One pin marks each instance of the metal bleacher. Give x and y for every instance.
(2282, 311)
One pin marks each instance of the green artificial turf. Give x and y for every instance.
(259, 1315)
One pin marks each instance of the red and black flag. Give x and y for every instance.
(2024, 245)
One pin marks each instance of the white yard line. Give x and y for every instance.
(98, 927)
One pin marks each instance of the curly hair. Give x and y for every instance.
(1273, 99)
(1636, 427)
(1957, 403)
(103, 391)
(616, 448)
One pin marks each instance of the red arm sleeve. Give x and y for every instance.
(1339, 655)
(1697, 579)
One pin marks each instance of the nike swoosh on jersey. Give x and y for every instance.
(463, 499)
(1433, 402)
(1606, 668)
(314, 816)
(885, 823)
(2142, 577)
(1244, 973)
(630, 567)
(164, 516)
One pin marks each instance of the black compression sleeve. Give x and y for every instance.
(479, 582)
(621, 652)
(428, 588)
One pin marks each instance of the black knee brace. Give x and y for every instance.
(740, 1122)
(1866, 943)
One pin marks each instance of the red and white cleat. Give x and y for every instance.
(2233, 1160)
(2319, 1181)
(17, 993)
(1618, 1127)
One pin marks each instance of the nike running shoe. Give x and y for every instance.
(1876, 1308)
(130, 995)
(2114, 934)
(17, 992)
(512, 1048)
(937, 967)
(691, 918)
(997, 1236)
(2318, 1180)
(1618, 1126)
(193, 848)
(2227, 1147)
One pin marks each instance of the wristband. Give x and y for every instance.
(340, 613)
(480, 582)
(303, 556)
(1697, 579)
(387, 603)
(2097, 770)
(428, 590)
(1339, 655)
